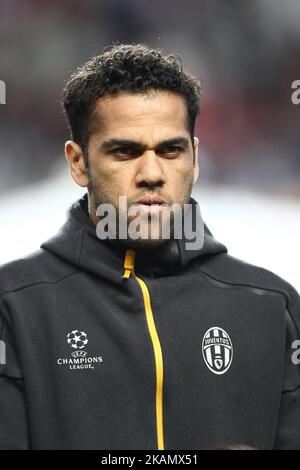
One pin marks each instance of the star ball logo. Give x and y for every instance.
(78, 340)
(217, 350)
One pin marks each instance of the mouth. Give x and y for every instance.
(150, 204)
(149, 200)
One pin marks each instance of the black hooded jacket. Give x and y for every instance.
(110, 348)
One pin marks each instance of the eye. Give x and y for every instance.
(124, 152)
(173, 150)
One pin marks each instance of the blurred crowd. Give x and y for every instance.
(246, 52)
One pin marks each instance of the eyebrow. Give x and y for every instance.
(109, 144)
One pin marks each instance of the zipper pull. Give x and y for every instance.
(128, 263)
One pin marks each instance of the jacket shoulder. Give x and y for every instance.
(232, 270)
(40, 266)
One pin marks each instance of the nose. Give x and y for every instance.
(150, 171)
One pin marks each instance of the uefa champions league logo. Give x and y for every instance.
(78, 340)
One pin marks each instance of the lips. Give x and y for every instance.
(149, 200)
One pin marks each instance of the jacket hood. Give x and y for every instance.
(77, 243)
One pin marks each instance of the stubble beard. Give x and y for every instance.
(96, 198)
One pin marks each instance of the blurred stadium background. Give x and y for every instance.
(247, 53)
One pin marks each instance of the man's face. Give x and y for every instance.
(142, 148)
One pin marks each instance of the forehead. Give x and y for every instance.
(159, 113)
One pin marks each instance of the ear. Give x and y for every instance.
(76, 161)
(196, 163)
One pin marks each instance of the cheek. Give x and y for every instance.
(180, 184)
(181, 175)
(112, 182)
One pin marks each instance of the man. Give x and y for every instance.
(143, 342)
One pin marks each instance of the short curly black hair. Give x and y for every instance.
(134, 68)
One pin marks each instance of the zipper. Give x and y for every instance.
(129, 270)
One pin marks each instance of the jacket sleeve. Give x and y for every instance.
(288, 427)
(13, 416)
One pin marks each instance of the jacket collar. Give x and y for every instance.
(77, 243)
